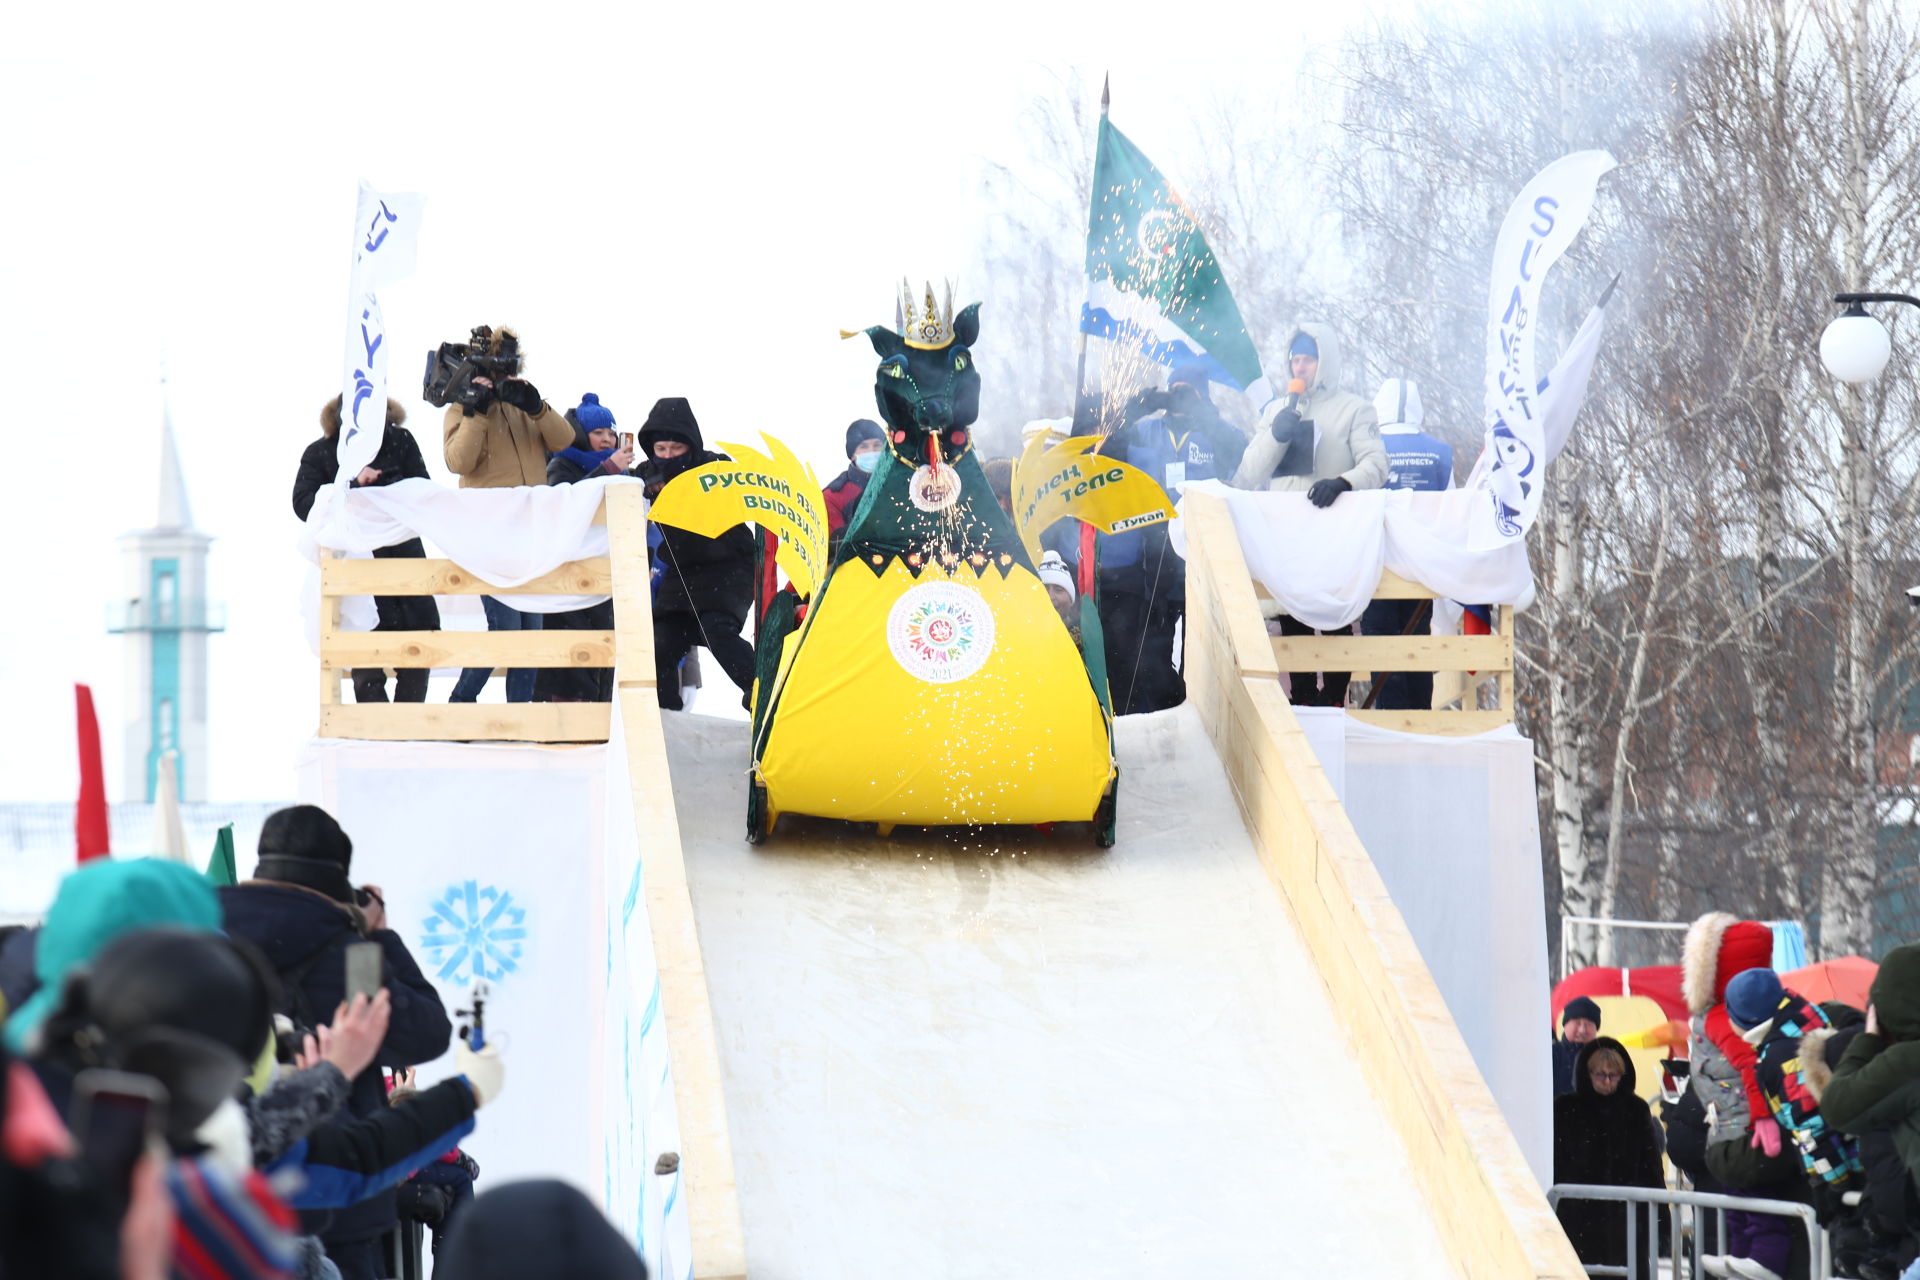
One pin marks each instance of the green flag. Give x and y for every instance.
(220, 868)
(1152, 282)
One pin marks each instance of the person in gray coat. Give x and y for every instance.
(1323, 441)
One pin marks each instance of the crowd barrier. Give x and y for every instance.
(1646, 1201)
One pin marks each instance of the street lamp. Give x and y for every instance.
(1855, 347)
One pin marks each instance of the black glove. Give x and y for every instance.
(1286, 426)
(519, 393)
(1325, 491)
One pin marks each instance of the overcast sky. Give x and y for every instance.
(664, 202)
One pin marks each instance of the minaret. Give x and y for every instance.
(166, 619)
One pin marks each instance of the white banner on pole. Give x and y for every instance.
(385, 243)
(1539, 226)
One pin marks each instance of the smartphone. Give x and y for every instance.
(364, 970)
(115, 1115)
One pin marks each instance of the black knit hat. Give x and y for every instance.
(1580, 1007)
(863, 429)
(303, 845)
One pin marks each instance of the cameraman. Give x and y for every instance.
(500, 440)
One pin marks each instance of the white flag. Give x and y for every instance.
(169, 832)
(385, 244)
(1539, 226)
(1561, 392)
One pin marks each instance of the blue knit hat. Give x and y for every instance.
(1303, 345)
(1752, 997)
(592, 415)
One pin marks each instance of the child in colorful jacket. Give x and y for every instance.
(1774, 1020)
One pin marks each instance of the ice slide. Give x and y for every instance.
(1213, 1049)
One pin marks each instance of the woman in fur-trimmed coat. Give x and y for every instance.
(399, 459)
(1744, 1150)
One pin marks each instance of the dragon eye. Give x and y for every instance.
(960, 362)
(893, 370)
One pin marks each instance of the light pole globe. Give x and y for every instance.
(1855, 347)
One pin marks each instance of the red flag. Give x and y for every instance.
(90, 812)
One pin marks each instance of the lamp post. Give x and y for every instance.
(1855, 347)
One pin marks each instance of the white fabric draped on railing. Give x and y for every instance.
(505, 536)
(1322, 564)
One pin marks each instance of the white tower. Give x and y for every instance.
(165, 615)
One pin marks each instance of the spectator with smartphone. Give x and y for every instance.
(597, 451)
(303, 912)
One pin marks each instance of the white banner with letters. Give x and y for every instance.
(386, 229)
(1539, 227)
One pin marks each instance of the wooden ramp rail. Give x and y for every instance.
(1490, 1211)
(1461, 664)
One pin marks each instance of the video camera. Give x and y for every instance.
(451, 370)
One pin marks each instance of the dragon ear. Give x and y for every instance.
(886, 343)
(966, 325)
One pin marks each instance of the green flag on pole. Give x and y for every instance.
(220, 868)
(1153, 285)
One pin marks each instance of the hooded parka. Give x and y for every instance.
(1876, 1085)
(1604, 1140)
(1346, 431)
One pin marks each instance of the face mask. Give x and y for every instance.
(867, 461)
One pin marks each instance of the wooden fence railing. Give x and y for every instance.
(1451, 658)
(341, 651)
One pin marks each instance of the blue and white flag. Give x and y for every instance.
(1539, 227)
(386, 230)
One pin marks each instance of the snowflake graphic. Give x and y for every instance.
(474, 934)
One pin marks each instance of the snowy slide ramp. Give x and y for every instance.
(1210, 1050)
(1020, 1055)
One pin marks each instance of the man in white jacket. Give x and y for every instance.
(1325, 442)
(1322, 440)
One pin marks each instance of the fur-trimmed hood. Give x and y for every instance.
(1817, 1060)
(1719, 946)
(330, 416)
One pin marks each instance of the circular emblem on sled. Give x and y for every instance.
(932, 492)
(940, 631)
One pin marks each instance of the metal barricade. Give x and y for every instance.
(1645, 1202)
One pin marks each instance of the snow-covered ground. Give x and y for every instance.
(1020, 1055)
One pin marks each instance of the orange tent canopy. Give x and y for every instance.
(1846, 979)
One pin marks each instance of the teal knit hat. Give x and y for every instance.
(96, 904)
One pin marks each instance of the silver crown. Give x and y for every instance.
(927, 327)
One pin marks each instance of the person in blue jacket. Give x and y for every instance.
(1415, 460)
(1174, 435)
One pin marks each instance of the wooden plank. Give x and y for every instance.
(632, 587)
(590, 577)
(1209, 524)
(1452, 724)
(1393, 653)
(467, 721)
(469, 649)
(1506, 673)
(329, 627)
(700, 1101)
(1394, 587)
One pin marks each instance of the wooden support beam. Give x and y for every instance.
(592, 577)
(1393, 653)
(631, 587)
(469, 649)
(1394, 587)
(467, 721)
(1447, 724)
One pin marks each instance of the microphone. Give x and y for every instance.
(1296, 388)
